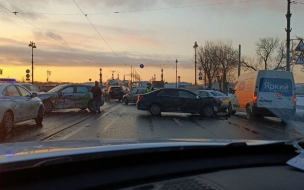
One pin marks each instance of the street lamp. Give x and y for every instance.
(176, 72)
(32, 45)
(195, 46)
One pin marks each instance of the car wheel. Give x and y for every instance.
(155, 109)
(125, 101)
(48, 106)
(7, 122)
(248, 113)
(91, 106)
(208, 111)
(39, 117)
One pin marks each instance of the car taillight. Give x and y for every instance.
(255, 98)
(139, 97)
(295, 99)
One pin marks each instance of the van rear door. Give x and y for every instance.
(276, 90)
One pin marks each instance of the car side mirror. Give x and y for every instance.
(197, 97)
(59, 94)
(34, 95)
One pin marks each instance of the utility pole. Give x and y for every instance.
(288, 30)
(32, 45)
(239, 66)
(100, 76)
(195, 46)
(162, 75)
(176, 72)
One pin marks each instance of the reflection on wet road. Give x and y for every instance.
(118, 121)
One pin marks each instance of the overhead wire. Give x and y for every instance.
(16, 14)
(143, 10)
(99, 33)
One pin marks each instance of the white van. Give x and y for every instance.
(264, 93)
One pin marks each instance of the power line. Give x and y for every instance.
(143, 10)
(98, 32)
(43, 31)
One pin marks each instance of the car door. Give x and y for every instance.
(65, 98)
(82, 97)
(17, 105)
(203, 94)
(132, 97)
(189, 102)
(169, 100)
(31, 105)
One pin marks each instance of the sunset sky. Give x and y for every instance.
(150, 32)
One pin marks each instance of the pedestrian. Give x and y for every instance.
(149, 88)
(96, 90)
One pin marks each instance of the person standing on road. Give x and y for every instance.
(149, 88)
(96, 90)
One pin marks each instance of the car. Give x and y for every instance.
(216, 94)
(32, 88)
(177, 100)
(131, 97)
(18, 104)
(69, 96)
(116, 92)
(264, 93)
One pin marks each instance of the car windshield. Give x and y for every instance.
(151, 70)
(215, 93)
(56, 89)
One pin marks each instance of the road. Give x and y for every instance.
(123, 122)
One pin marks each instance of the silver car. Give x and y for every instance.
(18, 104)
(216, 94)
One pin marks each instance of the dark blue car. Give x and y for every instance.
(177, 100)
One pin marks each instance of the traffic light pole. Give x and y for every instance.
(32, 65)
(288, 30)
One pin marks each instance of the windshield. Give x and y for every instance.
(55, 89)
(164, 69)
(217, 93)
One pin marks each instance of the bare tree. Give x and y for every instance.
(206, 58)
(266, 48)
(227, 57)
(250, 64)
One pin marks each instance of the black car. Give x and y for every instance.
(177, 100)
(132, 96)
(116, 92)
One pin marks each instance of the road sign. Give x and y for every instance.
(141, 66)
(300, 46)
(300, 59)
(27, 75)
(27, 79)
(27, 71)
(200, 78)
(200, 74)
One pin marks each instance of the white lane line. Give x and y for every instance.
(177, 122)
(81, 128)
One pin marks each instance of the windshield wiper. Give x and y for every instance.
(295, 143)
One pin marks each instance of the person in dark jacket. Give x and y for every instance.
(96, 90)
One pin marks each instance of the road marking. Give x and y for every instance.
(177, 122)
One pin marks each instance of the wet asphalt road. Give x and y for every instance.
(118, 121)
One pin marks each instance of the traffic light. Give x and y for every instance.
(28, 74)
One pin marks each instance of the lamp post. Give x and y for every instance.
(32, 45)
(176, 72)
(100, 77)
(195, 46)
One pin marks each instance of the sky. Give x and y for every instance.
(150, 32)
